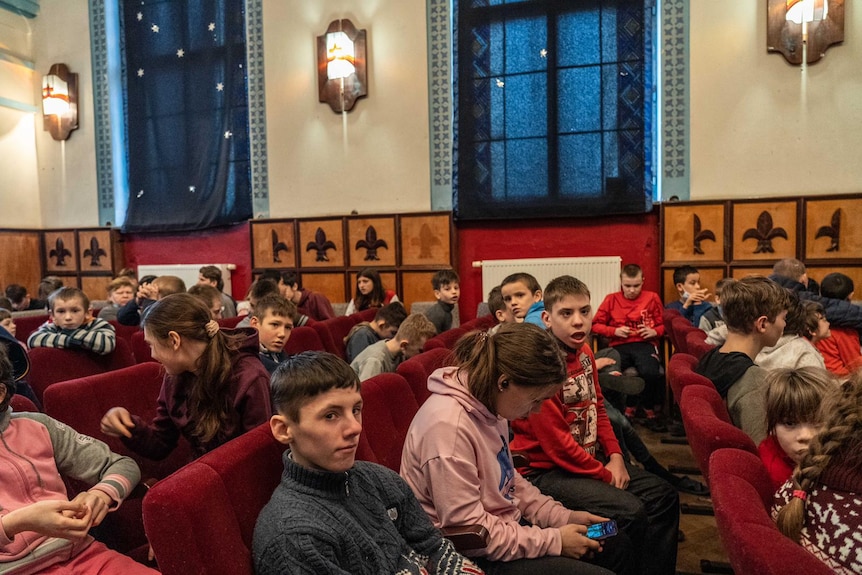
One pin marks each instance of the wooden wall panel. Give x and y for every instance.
(321, 243)
(764, 231)
(95, 251)
(417, 287)
(855, 273)
(694, 233)
(829, 229)
(273, 244)
(329, 284)
(738, 273)
(425, 240)
(96, 287)
(60, 251)
(21, 263)
(372, 241)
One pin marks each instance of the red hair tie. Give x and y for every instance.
(799, 494)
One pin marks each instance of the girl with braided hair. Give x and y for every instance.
(215, 387)
(820, 507)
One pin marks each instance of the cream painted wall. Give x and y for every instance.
(759, 126)
(19, 184)
(377, 158)
(67, 170)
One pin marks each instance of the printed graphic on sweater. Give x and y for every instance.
(579, 397)
(507, 471)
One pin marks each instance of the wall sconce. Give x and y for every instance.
(341, 65)
(60, 102)
(802, 30)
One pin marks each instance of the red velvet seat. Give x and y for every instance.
(26, 325)
(365, 315)
(21, 403)
(708, 427)
(667, 319)
(303, 339)
(333, 331)
(140, 348)
(82, 402)
(417, 369)
(124, 331)
(446, 340)
(200, 520)
(230, 322)
(742, 496)
(681, 328)
(695, 343)
(484, 322)
(680, 373)
(49, 365)
(388, 407)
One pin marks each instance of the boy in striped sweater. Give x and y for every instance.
(72, 325)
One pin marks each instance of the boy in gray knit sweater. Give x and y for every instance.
(331, 513)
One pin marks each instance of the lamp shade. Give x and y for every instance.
(60, 102)
(342, 65)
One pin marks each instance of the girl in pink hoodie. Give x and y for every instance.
(456, 458)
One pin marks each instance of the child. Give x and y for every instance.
(793, 349)
(273, 319)
(821, 505)
(632, 321)
(692, 302)
(71, 325)
(313, 304)
(120, 291)
(793, 398)
(523, 297)
(49, 285)
(713, 316)
(149, 292)
(755, 309)
(840, 351)
(6, 320)
(211, 276)
(498, 307)
(210, 297)
(21, 300)
(456, 458)
(575, 457)
(215, 387)
(369, 292)
(384, 356)
(447, 290)
(331, 513)
(385, 325)
(40, 528)
(258, 290)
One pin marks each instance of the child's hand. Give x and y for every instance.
(97, 502)
(52, 518)
(647, 332)
(603, 362)
(623, 332)
(585, 518)
(620, 475)
(698, 296)
(117, 422)
(575, 543)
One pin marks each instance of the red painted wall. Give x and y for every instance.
(223, 245)
(634, 238)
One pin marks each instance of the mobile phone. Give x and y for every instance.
(602, 530)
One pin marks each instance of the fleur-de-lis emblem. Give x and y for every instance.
(95, 252)
(700, 235)
(277, 247)
(833, 232)
(371, 244)
(764, 233)
(426, 240)
(321, 245)
(60, 252)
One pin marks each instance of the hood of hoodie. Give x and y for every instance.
(250, 342)
(449, 381)
(788, 283)
(782, 341)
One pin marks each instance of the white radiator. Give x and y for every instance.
(601, 274)
(187, 272)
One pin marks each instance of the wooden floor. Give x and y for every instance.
(701, 535)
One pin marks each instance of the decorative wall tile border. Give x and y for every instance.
(102, 112)
(440, 104)
(675, 127)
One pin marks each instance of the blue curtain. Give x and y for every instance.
(186, 111)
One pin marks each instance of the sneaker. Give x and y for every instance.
(630, 413)
(689, 485)
(655, 425)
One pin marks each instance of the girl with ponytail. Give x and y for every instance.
(215, 387)
(820, 507)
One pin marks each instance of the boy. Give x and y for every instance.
(841, 350)
(21, 300)
(211, 276)
(149, 292)
(712, 317)
(273, 319)
(210, 297)
(631, 319)
(498, 307)
(384, 356)
(447, 290)
(120, 291)
(331, 513)
(575, 457)
(755, 310)
(523, 297)
(310, 303)
(72, 326)
(40, 528)
(259, 289)
(6, 320)
(385, 325)
(692, 302)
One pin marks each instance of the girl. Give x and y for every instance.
(821, 505)
(456, 458)
(370, 292)
(6, 320)
(215, 389)
(793, 397)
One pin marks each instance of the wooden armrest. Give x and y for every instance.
(466, 537)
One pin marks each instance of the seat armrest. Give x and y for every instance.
(520, 459)
(466, 537)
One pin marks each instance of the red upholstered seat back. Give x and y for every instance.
(365, 315)
(417, 369)
(695, 343)
(201, 519)
(230, 322)
(446, 340)
(388, 409)
(303, 339)
(741, 497)
(26, 325)
(333, 331)
(20, 403)
(484, 322)
(680, 373)
(49, 365)
(124, 331)
(681, 328)
(140, 348)
(667, 319)
(708, 427)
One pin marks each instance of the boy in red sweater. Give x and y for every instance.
(840, 350)
(574, 454)
(631, 319)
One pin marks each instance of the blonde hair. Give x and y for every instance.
(415, 328)
(838, 441)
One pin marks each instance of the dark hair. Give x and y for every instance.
(529, 281)
(147, 279)
(836, 286)
(262, 288)
(206, 293)
(795, 320)
(290, 278)
(681, 273)
(561, 287)
(49, 285)
(7, 379)
(631, 271)
(747, 299)
(443, 278)
(721, 284)
(377, 295)
(5, 302)
(275, 304)
(495, 300)
(16, 293)
(213, 273)
(270, 274)
(209, 400)
(5, 314)
(393, 314)
(812, 313)
(795, 395)
(67, 293)
(306, 375)
(526, 354)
